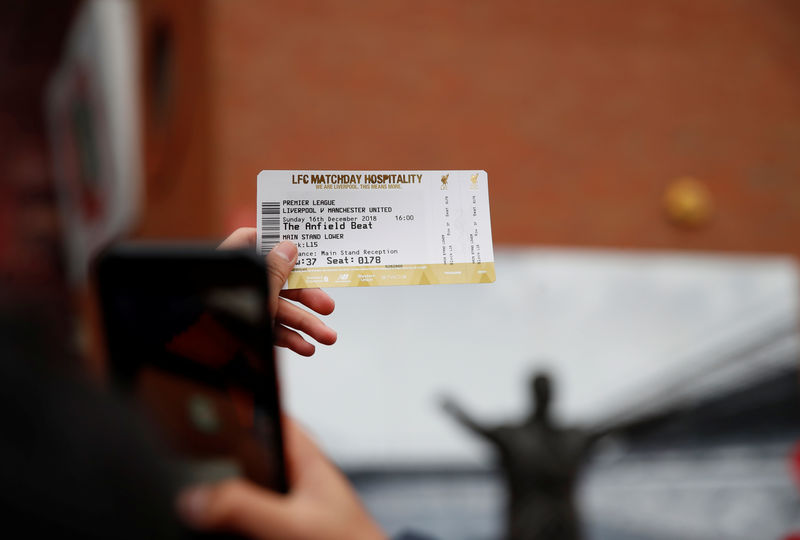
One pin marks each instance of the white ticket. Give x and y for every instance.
(370, 228)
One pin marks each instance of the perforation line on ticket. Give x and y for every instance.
(372, 228)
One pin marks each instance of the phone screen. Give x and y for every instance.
(196, 354)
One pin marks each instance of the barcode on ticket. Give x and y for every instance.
(270, 225)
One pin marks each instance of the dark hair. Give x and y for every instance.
(76, 462)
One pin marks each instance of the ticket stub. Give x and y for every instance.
(371, 228)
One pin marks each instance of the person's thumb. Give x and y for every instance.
(280, 262)
(239, 507)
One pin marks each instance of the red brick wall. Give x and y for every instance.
(178, 135)
(30, 237)
(581, 112)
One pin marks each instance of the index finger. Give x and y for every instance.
(314, 299)
(243, 237)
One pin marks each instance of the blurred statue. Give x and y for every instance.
(540, 462)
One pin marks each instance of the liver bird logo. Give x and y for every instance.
(444, 181)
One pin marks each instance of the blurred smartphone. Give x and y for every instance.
(188, 336)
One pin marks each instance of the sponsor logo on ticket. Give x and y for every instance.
(373, 228)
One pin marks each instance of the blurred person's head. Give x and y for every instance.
(541, 394)
(76, 462)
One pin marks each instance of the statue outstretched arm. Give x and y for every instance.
(454, 410)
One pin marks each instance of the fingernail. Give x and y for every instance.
(286, 250)
(192, 505)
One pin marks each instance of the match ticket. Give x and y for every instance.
(371, 228)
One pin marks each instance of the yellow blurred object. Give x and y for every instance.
(688, 202)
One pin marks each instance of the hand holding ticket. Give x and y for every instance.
(371, 228)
